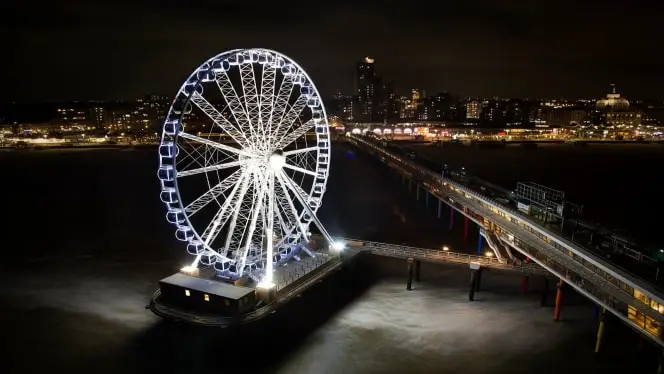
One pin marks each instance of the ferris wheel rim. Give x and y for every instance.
(176, 183)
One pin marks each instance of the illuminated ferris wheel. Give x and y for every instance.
(244, 161)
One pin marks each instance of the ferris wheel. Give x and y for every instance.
(243, 163)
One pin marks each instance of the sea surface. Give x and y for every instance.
(85, 242)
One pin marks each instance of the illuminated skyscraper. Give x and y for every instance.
(369, 89)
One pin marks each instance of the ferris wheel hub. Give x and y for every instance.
(277, 160)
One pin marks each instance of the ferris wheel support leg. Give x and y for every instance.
(194, 264)
(291, 206)
(252, 228)
(269, 266)
(319, 225)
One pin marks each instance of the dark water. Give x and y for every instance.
(85, 241)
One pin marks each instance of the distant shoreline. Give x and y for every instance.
(79, 147)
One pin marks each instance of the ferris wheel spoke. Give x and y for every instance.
(291, 116)
(269, 230)
(236, 214)
(252, 225)
(299, 169)
(301, 150)
(213, 193)
(291, 206)
(296, 134)
(235, 105)
(280, 102)
(268, 82)
(214, 228)
(291, 215)
(214, 144)
(251, 102)
(298, 195)
(219, 120)
(287, 231)
(245, 235)
(296, 189)
(192, 155)
(206, 169)
(197, 158)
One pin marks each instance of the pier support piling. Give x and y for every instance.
(451, 218)
(474, 270)
(600, 329)
(465, 228)
(417, 193)
(473, 282)
(409, 284)
(478, 281)
(559, 301)
(524, 284)
(545, 292)
(479, 244)
(440, 207)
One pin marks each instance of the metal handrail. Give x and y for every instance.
(433, 254)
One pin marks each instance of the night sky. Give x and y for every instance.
(103, 49)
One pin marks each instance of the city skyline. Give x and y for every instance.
(507, 50)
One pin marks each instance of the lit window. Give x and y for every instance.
(206, 297)
(186, 292)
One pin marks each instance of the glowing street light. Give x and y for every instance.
(446, 248)
(489, 254)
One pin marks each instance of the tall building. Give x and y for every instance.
(352, 109)
(369, 89)
(440, 107)
(415, 109)
(473, 109)
(391, 103)
(98, 116)
(493, 114)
